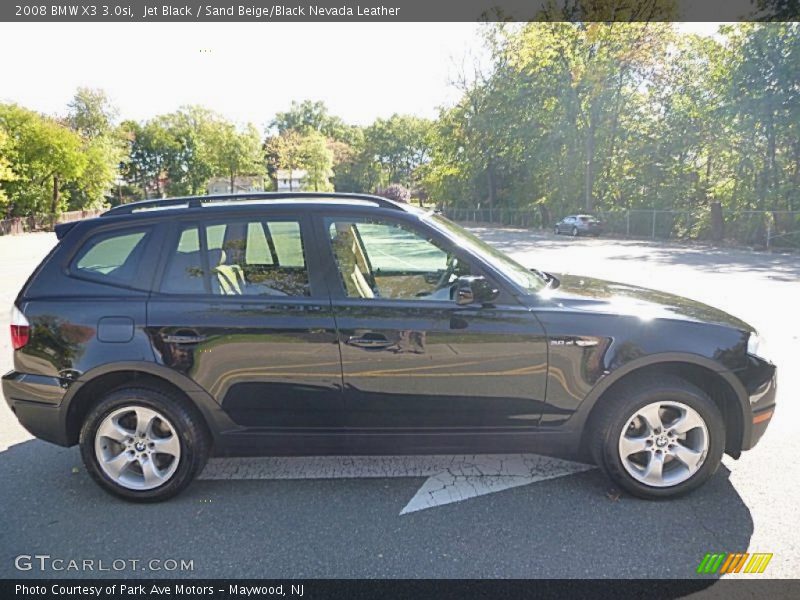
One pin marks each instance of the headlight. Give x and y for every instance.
(757, 346)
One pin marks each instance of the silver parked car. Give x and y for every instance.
(576, 225)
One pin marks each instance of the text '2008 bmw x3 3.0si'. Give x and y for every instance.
(166, 331)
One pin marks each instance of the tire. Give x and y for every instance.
(688, 459)
(574, 232)
(131, 467)
(555, 230)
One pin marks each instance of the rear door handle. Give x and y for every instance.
(183, 339)
(369, 341)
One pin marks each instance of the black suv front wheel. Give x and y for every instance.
(142, 444)
(659, 437)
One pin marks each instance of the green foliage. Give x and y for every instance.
(7, 174)
(177, 153)
(398, 146)
(91, 113)
(309, 116)
(318, 162)
(191, 159)
(45, 157)
(235, 151)
(581, 116)
(606, 117)
(284, 151)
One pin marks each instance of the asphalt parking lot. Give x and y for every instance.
(515, 516)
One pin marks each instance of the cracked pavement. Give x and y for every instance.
(296, 523)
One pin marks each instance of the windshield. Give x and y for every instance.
(529, 280)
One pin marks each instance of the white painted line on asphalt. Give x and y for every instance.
(472, 476)
(451, 478)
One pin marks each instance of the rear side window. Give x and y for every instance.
(258, 257)
(112, 257)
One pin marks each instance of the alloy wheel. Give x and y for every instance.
(137, 447)
(663, 444)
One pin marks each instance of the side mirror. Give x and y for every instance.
(471, 289)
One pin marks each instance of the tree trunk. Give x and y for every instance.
(233, 181)
(717, 222)
(143, 180)
(492, 186)
(545, 214)
(589, 179)
(56, 198)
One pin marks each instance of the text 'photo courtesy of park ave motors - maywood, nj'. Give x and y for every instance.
(271, 11)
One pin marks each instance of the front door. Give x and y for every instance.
(241, 312)
(412, 358)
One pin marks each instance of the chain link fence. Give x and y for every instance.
(768, 229)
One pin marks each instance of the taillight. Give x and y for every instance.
(20, 329)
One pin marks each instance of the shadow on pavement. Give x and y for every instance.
(781, 267)
(344, 528)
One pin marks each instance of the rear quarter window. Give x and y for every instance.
(112, 257)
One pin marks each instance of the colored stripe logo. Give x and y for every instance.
(734, 562)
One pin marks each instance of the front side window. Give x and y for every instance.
(253, 257)
(529, 280)
(378, 259)
(112, 257)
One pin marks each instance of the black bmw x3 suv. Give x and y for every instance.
(167, 331)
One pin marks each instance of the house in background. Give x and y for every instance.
(289, 181)
(242, 184)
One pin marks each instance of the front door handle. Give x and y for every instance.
(369, 340)
(183, 339)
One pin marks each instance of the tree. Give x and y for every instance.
(355, 169)
(91, 113)
(284, 152)
(91, 116)
(151, 151)
(47, 157)
(596, 72)
(399, 145)
(236, 152)
(6, 171)
(191, 163)
(308, 116)
(317, 159)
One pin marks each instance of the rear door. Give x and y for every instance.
(242, 310)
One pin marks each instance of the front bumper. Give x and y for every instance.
(36, 401)
(760, 380)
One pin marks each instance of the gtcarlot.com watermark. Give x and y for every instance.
(45, 563)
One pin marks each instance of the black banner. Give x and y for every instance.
(399, 10)
(354, 589)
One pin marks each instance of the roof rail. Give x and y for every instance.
(198, 201)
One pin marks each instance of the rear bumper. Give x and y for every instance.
(760, 380)
(36, 401)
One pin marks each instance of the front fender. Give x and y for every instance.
(579, 418)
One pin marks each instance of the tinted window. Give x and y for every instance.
(254, 257)
(113, 257)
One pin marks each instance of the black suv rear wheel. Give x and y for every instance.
(659, 437)
(142, 444)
